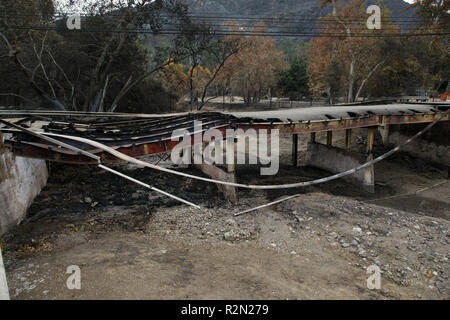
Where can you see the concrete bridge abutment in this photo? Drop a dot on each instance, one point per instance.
(337, 160)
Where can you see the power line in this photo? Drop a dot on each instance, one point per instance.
(273, 16)
(236, 18)
(304, 27)
(292, 27)
(295, 27)
(228, 32)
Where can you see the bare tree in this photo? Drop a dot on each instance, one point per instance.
(202, 46)
(94, 70)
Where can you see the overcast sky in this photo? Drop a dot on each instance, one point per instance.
(62, 4)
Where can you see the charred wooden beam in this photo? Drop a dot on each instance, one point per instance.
(295, 150)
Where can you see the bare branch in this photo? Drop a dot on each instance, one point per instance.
(129, 85)
(19, 96)
(62, 71)
(367, 78)
(39, 58)
(211, 80)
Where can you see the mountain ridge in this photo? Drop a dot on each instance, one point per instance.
(274, 7)
(306, 11)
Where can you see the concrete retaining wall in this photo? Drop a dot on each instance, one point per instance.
(4, 293)
(338, 160)
(422, 149)
(21, 180)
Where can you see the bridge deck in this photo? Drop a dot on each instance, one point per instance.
(139, 134)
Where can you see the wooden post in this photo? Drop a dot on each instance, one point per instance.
(294, 149)
(384, 131)
(329, 138)
(370, 140)
(313, 137)
(230, 155)
(223, 99)
(231, 192)
(348, 139)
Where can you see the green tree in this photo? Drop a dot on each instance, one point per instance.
(295, 50)
(294, 81)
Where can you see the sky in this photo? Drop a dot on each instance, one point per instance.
(62, 4)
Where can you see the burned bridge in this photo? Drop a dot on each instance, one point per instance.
(91, 138)
(138, 135)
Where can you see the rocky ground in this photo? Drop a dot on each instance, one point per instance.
(132, 243)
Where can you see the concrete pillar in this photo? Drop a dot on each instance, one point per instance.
(4, 293)
(294, 149)
(338, 160)
(229, 192)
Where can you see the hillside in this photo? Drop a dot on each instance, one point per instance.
(273, 7)
(306, 10)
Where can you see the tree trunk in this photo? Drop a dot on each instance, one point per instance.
(270, 98)
(351, 81)
(366, 79)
